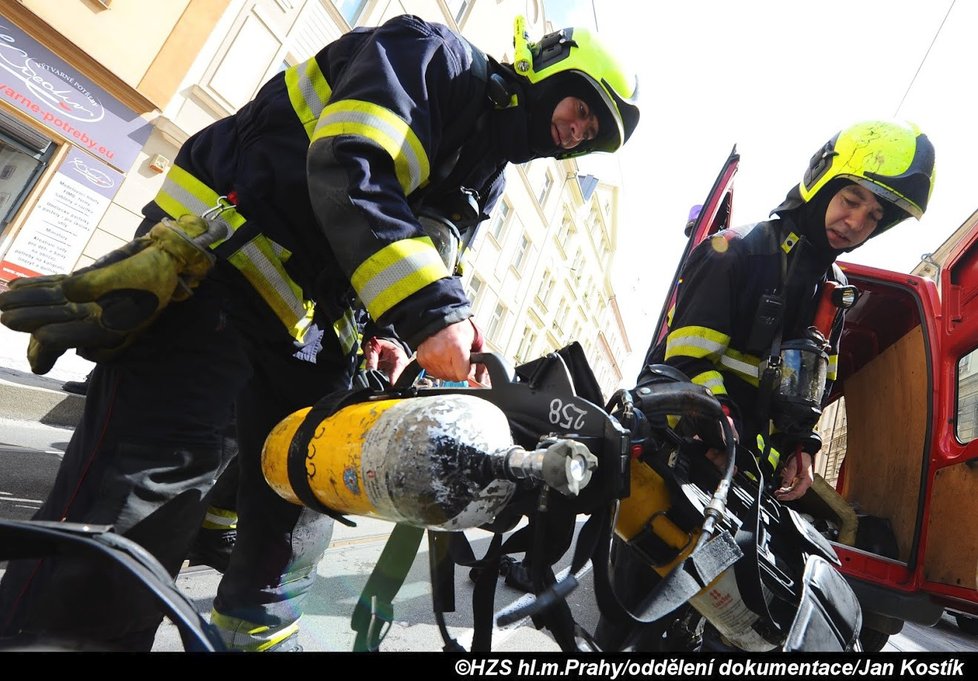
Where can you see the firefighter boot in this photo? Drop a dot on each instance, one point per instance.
(215, 539)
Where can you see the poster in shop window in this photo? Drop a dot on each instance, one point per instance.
(61, 224)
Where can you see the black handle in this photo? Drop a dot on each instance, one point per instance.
(499, 371)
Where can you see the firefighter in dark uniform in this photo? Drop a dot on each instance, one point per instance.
(746, 291)
(273, 227)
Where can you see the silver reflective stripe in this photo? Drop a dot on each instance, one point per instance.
(739, 366)
(307, 87)
(714, 383)
(187, 199)
(271, 276)
(394, 132)
(388, 278)
(675, 343)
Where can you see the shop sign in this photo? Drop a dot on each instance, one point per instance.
(39, 84)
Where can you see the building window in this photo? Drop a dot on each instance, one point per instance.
(350, 9)
(499, 221)
(526, 347)
(475, 285)
(966, 364)
(967, 421)
(497, 322)
(566, 233)
(577, 268)
(546, 286)
(560, 318)
(521, 253)
(457, 8)
(24, 155)
(548, 182)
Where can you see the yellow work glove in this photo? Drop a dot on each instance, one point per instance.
(101, 308)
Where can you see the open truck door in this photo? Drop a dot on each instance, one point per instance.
(950, 543)
(705, 219)
(896, 481)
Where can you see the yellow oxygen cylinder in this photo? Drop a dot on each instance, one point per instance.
(645, 507)
(721, 602)
(424, 461)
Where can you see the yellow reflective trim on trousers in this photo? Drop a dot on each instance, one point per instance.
(696, 342)
(308, 91)
(384, 128)
(833, 369)
(773, 457)
(219, 519)
(242, 635)
(395, 272)
(346, 331)
(259, 262)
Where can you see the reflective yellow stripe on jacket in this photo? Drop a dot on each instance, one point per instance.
(308, 91)
(700, 342)
(385, 128)
(396, 271)
(406, 266)
(260, 260)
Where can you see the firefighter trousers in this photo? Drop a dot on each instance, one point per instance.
(148, 450)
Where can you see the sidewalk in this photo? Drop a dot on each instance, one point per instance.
(25, 396)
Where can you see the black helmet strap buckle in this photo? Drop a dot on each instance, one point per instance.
(820, 163)
(552, 48)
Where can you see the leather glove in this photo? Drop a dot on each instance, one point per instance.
(101, 308)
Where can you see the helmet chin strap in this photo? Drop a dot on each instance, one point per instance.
(811, 219)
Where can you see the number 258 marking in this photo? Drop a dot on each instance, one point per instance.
(566, 415)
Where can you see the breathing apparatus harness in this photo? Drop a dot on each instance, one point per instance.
(793, 375)
(729, 527)
(721, 543)
(545, 414)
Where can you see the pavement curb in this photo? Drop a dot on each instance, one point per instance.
(25, 397)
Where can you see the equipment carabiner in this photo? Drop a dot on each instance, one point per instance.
(224, 203)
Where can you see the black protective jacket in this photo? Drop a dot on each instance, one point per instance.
(333, 159)
(722, 284)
